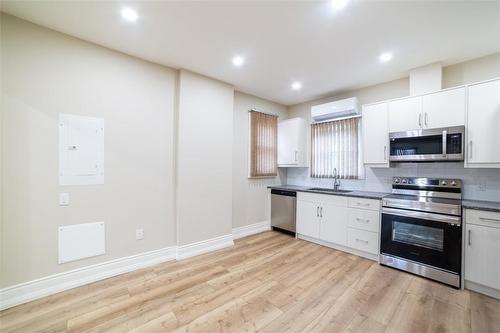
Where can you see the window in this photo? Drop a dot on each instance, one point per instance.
(336, 145)
(263, 144)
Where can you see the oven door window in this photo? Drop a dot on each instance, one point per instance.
(418, 235)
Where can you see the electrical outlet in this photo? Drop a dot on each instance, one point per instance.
(481, 187)
(139, 234)
(63, 199)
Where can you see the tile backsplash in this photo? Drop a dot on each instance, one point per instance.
(478, 184)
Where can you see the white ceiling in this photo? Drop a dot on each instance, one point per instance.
(282, 41)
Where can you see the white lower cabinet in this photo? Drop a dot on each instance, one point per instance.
(333, 221)
(307, 218)
(362, 240)
(482, 251)
(333, 225)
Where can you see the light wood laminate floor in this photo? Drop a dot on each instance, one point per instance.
(266, 283)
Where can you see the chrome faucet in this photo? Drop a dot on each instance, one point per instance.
(336, 180)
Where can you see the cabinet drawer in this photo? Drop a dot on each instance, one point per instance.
(368, 220)
(482, 217)
(336, 200)
(363, 240)
(362, 203)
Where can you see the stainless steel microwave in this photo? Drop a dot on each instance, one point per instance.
(427, 145)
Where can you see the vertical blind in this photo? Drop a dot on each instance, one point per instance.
(263, 144)
(335, 145)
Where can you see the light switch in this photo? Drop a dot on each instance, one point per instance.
(139, 234)
(63, 199)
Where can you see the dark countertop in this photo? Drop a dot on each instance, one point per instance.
(481, 205)
(357, 194)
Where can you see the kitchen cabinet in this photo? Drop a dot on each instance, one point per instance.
(444, 108)
(333, 224)
(483, 125)
(375, 127)
(331, 221)
(308, 218)
(482, 246)
(405, 114)
(292, 143)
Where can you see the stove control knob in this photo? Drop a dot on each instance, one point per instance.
(444, 183)
(396, 180)
(453, 183)
(404, 180)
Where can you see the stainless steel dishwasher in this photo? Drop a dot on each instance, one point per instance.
(283, 207)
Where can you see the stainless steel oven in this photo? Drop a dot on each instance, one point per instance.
(421, 228)
(438, 144)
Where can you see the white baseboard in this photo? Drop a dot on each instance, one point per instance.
(28, 291)
(194, 249)
(251, 229)
(488, 291)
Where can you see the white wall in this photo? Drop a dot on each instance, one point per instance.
(250, 200)
(480, 184)
(45, 73)
(204, 158)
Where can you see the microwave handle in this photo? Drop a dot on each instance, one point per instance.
(445, 135)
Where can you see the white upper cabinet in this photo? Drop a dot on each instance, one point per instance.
(483, 125)
(405, 114)
(444, 108)
(440, 109)
(292, 143)
(375, 126)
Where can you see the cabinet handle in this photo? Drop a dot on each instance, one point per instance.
(296, 159)
(361, 240)
(470, 150)
(425, 119)
(420, 120)
(317, 211)
(362, 204)
(321, 212)
(362, 220)
(385, 153)
(487, 219)
(469, 241)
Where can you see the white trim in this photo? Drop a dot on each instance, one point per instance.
(194, 249)
(251, 229)
(31, 290)
(356, 252)
(479, 288)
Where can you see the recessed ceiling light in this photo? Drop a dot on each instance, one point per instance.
(385, 57)
(296, 85)
(238, 61)
(338, 4)
(129, 14)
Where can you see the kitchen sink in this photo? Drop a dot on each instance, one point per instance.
(324, 189)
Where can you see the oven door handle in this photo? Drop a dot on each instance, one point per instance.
(455, 220)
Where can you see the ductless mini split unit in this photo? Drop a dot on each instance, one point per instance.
(339, 109)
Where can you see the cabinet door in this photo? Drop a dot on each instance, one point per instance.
(483, 124)
(333, 224)
(375, 135)
(287, 143)
(307, 218)
(482, 262)
(444, 109)
(405, 114)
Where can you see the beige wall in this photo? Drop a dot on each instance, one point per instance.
(204, 158)
(474, 70)
(250, 200)
(45, 73)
